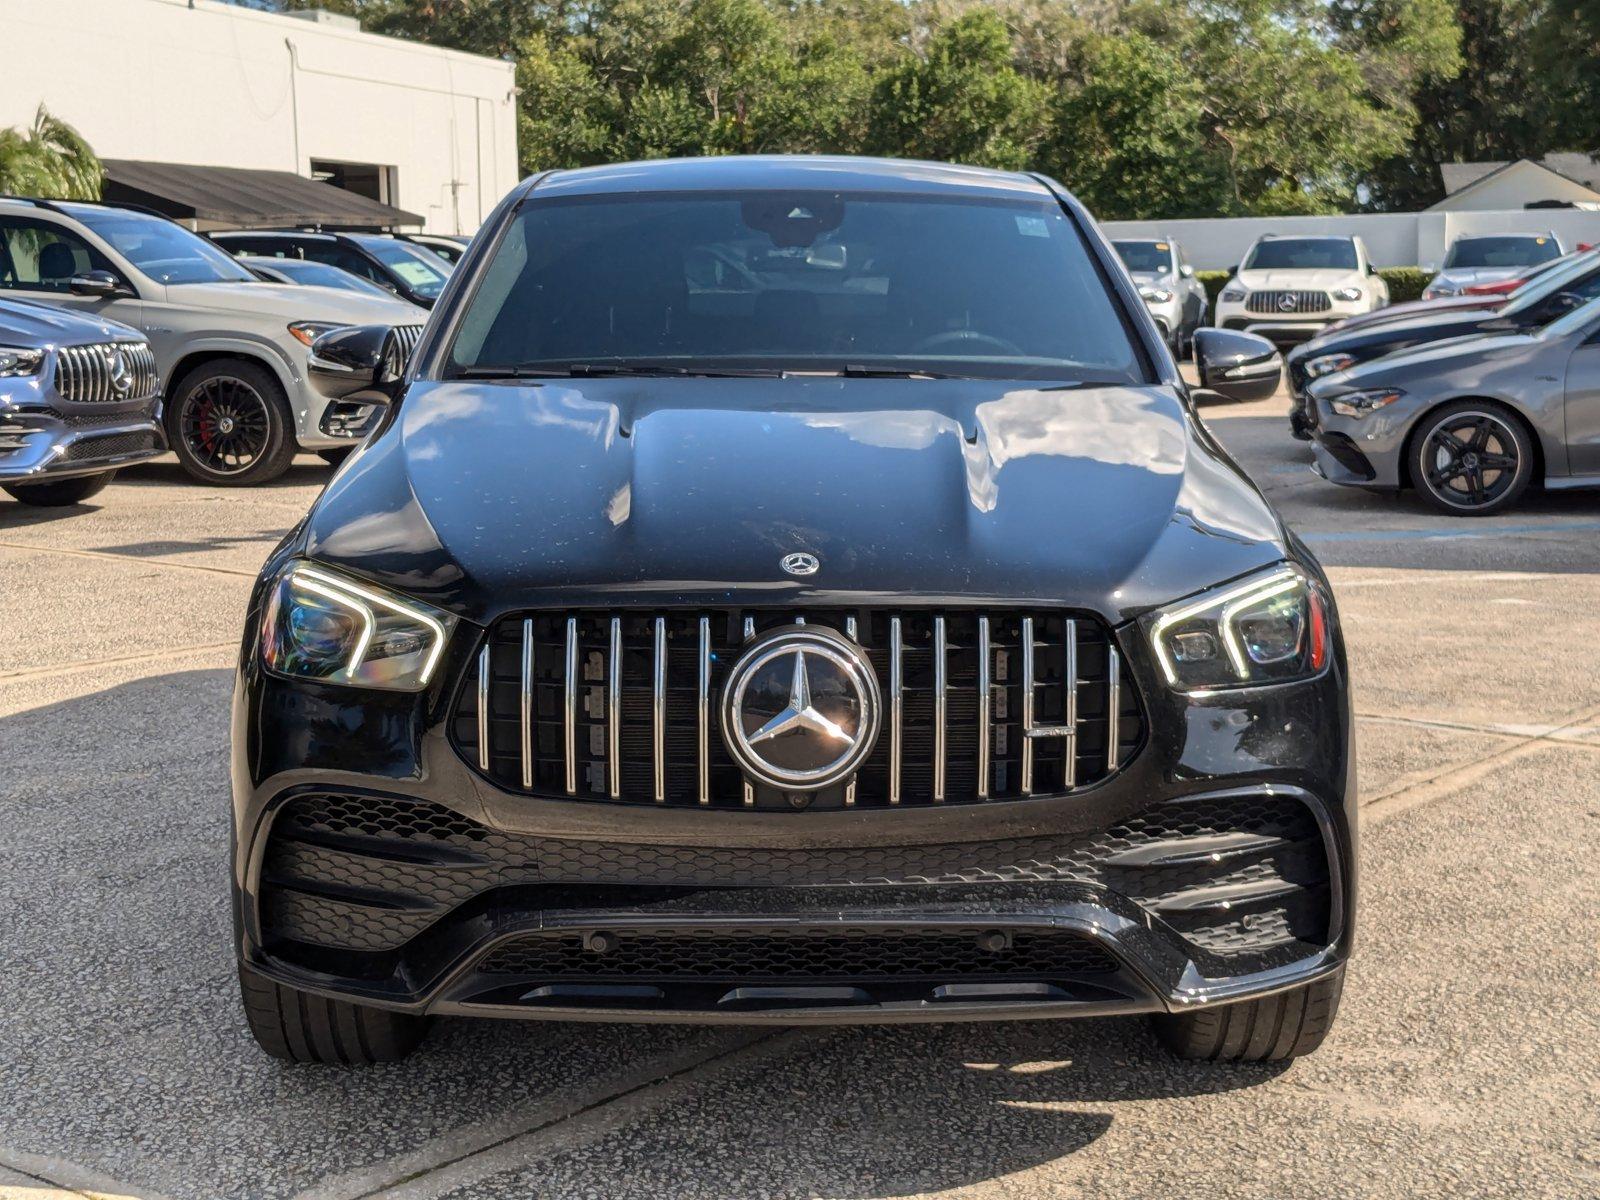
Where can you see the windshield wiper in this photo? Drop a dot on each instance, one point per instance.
(854, 371)
(601, 370)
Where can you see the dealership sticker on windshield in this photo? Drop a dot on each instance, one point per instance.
(1032, 227)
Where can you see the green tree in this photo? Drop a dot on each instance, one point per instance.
(963, 101)
(49, 159)
(1128, 137)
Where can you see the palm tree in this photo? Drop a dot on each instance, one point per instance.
(50, 160)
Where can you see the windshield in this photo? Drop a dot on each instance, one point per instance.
(1470, 253)
(817, 281)
(1302, 254)
(1150, 257)
(166, 252)
(1582, 272)
(315, 274)
(423, 271)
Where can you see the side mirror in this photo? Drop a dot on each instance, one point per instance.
(1186, 271)
(1241, 366)
(1371, 270)
(98, 283)
(362, 362)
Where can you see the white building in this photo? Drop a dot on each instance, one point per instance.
(204, 84)
(1558, 179)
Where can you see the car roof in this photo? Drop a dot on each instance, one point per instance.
(276, 233)
(787, 172)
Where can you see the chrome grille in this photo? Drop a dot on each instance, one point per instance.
(404, 346)
(622, 706)
(84, 373)
(1287, 303)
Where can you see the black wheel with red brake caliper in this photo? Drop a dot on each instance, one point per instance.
(229, 424)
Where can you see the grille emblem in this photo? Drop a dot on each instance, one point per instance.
(800, 563)
(120, 372)
(800, 709)
(1287, 303)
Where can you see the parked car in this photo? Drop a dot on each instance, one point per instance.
(1469, 423)
(231, 351)
(1504, 287)
(447, 246)
(78, 400)
(1540, 302)
(410, 272)
(867, 633)
(1166, 282)
(1479, 258)
(303, 272)
(1289, 288)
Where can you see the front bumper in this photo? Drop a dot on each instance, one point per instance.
(45, 438)
(372, 864)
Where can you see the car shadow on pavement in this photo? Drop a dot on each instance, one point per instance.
(130, 1055)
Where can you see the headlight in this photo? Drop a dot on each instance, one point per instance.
(1347, 295)
(1360, 404)
(1233, 295)
(1270, 628)
(306, 332)
(16, 361)
(1327, 364)
(1434, 290)
(324, 627)
(1155, 295)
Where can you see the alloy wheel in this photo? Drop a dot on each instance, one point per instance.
(226, 425)
(1470, 459)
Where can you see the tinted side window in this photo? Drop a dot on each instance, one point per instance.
(335, 255)
(37, 256)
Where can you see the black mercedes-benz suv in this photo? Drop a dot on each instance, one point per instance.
(788, 590)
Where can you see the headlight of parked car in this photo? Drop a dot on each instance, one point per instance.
(1360, 404)
(306, 332)
(1434, 290)
(1269, 628)
(16, 361)
(1233, 295)
(1155, 295)
(1347, 295)
(1327, 364)
(324, 627)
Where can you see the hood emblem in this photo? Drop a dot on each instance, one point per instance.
(120, 372)
(800, 563)
(800, 709)
(1287, 303)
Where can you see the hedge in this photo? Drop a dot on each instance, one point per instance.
(1405, 283)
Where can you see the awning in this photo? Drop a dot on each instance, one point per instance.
(239, 198)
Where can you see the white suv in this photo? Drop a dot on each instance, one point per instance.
(231, 350)
(1289, 289)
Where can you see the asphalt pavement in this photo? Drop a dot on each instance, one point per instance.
(1466, 1061)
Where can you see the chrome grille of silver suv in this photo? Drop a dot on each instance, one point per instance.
(571, 704)
(91, 375)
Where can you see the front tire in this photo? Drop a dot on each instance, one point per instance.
(1272, 1029)
(1471, 459)
(229, 424)
(302, 1027)
(61, 493)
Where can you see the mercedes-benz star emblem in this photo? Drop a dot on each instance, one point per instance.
(800, 563)
(800, 709)
(1287, 304)
(120, 372)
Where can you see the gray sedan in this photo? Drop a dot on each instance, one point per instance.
(1468, 422)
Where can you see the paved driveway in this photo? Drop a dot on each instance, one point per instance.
(1465, 1063)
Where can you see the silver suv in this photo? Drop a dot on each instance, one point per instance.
(230, 350)
(77, 401)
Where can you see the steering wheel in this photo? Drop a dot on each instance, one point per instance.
(965, 338)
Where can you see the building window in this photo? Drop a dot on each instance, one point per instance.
(364, 179)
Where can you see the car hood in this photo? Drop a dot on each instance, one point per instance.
(1462, 277)
(1429, 361)
(488, 497)
(1421, 327)
(34, 326)
(1152, 279)
(1299, 279)
(296, 303)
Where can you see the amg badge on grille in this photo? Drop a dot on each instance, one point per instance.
(800, 709)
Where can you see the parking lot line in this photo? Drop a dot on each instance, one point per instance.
(104, 556)
(467, 1155)
(20, 1172)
